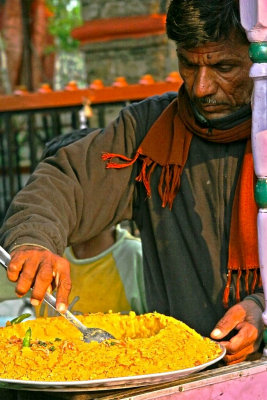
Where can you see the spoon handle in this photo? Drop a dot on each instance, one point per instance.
(49, 298)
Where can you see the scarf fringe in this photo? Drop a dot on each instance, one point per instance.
(109, 156)
(145, 174)
(169, 184)
(169, 180)
(241, 273)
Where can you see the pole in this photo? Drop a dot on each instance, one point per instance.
(27, 49)
(254, 20)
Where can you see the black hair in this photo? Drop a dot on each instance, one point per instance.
(191, 23)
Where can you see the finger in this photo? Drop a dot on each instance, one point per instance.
(239, 356)
(15, 266)
(228, 322)
(27, 276)
(246, 336)
(42, 282)
(63, 282)
(234, 361)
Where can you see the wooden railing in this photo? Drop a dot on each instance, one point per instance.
(29, 120)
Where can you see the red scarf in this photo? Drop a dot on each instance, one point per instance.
(167, 144)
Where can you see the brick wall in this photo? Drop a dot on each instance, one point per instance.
(121, 8)
(131, 57)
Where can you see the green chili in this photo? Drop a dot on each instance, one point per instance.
(20, 318)
(27, 338)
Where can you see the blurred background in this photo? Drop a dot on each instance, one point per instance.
(55, 41)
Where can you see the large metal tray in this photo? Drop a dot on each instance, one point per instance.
(106, 384)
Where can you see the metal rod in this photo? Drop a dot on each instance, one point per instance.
(254, 20)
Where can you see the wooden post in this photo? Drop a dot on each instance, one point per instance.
(254, 20)
(27, 52)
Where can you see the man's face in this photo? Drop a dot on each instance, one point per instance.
(216, 77)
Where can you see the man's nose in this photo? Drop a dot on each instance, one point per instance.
(204, 83)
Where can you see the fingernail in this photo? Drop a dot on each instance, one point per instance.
(216, 332)
(35, 302)
(61, 307)
(57, 279)
(49, 289)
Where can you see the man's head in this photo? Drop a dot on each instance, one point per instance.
(212, 50)
(192, 23)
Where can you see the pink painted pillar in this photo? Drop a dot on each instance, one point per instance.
(254, 20)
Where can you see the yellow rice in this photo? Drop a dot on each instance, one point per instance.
(146, 344)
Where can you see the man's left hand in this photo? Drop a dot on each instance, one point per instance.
(246, 318)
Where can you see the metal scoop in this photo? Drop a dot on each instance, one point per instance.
(89, 334)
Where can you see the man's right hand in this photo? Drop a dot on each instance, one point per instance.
(40, 269)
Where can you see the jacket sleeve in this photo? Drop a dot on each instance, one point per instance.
(72, 196)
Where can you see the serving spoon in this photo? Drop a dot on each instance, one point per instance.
(89, 334)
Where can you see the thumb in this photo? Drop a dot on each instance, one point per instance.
(228, 322)
(218, 333)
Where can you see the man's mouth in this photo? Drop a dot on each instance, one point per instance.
(208, 101)
(212, 108)
(211, 105)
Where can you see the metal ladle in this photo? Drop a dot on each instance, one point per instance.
(89, 334)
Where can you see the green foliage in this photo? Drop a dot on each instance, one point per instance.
(66, 16)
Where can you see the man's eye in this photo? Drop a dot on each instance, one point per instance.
(188, 66)
(224, 68)
(186, 63)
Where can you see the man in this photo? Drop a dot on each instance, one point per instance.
(178, 168)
